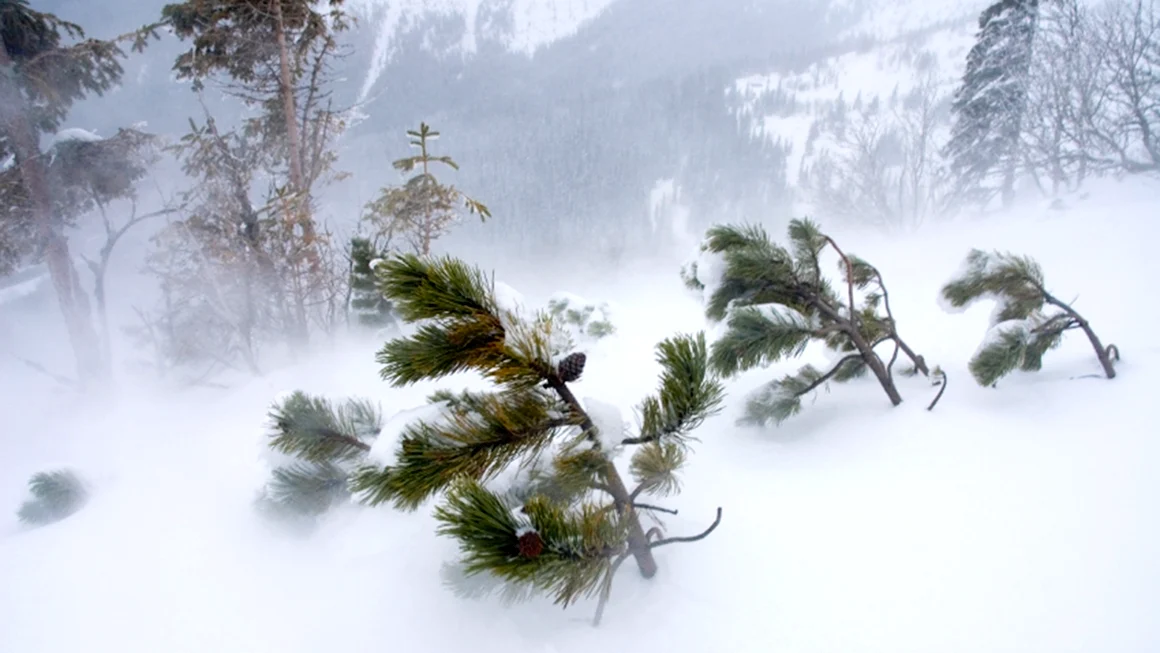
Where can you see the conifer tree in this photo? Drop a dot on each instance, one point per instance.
(327, 442)
(371, 309)
(49, 65)
(56, 494)
(264, 46)
(423, 209)
(775, 301)
(1022, 331)
(566, 533)
(990, 103)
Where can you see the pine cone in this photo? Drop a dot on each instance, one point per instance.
(530, 544)
(572, 366)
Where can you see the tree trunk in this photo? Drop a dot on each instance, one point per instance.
(71, 297)
(638, 544)
(294, 140)
(1102, 352)
(876, 365)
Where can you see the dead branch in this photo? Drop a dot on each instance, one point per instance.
(692, 538)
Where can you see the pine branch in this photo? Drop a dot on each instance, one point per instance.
(756, 337)
(687, 396)
(781, 399)
(476, 441)
(465, 331)
(1016, 281)
(568, 554)
(654, 467)
(694, 538)
(56, 495)
(308, 488)
(312, 429)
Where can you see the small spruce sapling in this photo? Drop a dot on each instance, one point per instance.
(370, 308)
(56, 494)
(1021, 330)
(328, 442)
(776, 300)
(567, 543)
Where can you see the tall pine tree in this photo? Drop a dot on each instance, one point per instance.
(990, 103)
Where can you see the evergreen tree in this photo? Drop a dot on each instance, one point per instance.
(775, 301)
(270, 50)
(327, 442)
(423, 209)
(566, 532)
(55, 495)
(249, 267)
(990, 102)
(44, 76)
(1021, 330)
(368, 304)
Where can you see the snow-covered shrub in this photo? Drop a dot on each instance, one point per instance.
(56, 494)
(775, 301)
(1021, 330)
(583, 321)
(566, 530)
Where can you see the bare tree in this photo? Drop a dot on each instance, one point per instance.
(1122, 126)
(883, 167)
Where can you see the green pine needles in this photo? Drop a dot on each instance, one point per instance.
(327, 441)
(775, 301)
(566, 529)
(56, 494)
(1021, 330)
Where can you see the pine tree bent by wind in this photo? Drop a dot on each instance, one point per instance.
(775, 301)
(56, 495)
(1021, 330)
(566, 531)
(328, 441)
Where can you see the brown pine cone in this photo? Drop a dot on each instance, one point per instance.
(572, 366)
(530, 544)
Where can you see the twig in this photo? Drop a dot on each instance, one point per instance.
(941, 390)
(645, 506)
(849, 279)
(693, 538)
(919, 363)
(607, 590)
(828, 375)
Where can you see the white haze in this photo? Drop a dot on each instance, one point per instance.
(1011, 519)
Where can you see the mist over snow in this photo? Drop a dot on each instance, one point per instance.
(605, 136)
(1012, 519)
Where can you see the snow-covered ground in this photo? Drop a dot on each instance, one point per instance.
(1013, 519)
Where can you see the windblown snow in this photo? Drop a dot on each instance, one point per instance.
(1008, 518)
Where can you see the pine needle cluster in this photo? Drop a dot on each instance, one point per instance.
(1028, 321)
(567, 528)
(56, 494)
(775, 300)
(327, 441)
